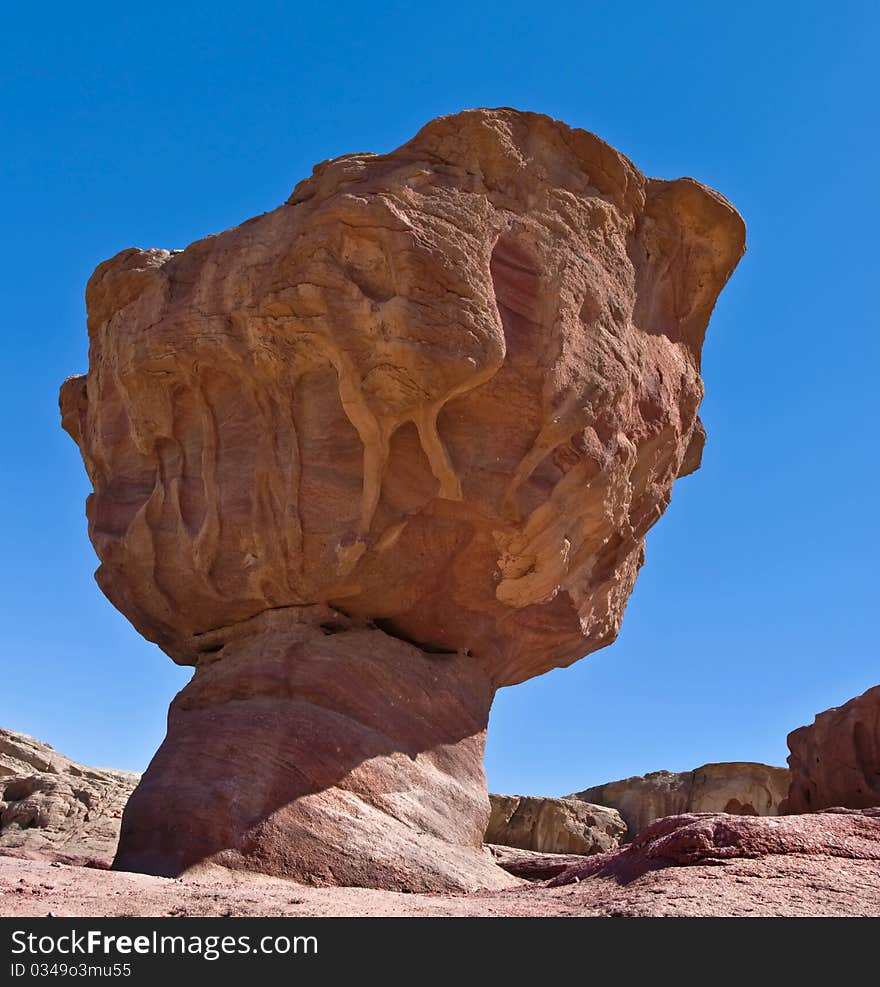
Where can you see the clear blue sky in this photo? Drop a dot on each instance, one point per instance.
(153, 125)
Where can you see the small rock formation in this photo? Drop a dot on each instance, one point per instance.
(368, 457)
(836, 760)
(738, 787)
(531, 865)
(553, 825)
(50, 803)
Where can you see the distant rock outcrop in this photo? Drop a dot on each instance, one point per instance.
(552, 825)
(836, 760)
(51, 803)
(738, 787)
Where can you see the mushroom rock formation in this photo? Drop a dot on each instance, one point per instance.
(836, 760)
(368, 457)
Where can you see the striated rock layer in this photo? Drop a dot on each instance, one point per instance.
(737, 787)
(836, 760)
(553, 825)
(51, 803)
(444, 392)
(333, 754)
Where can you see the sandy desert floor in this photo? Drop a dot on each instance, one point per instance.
(793, 885)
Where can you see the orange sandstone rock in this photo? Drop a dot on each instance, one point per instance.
(438, 396)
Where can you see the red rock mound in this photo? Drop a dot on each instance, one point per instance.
(694, 839)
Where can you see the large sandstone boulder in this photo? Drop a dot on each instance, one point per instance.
(369, 456)
(50, 803)
(737, 787)
(553, 825)
(836, 760)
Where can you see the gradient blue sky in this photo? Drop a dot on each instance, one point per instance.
(132, 124)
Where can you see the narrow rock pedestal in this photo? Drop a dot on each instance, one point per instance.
(327, 753)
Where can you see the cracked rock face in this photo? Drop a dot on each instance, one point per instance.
(440, 395)
(49, 802)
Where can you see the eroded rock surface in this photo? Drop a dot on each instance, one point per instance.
(738, 787)
(553, 825)
(433, 402)
(532, 865)
(836, 760)
(51, 803)
(342, 756)
(695, 838)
